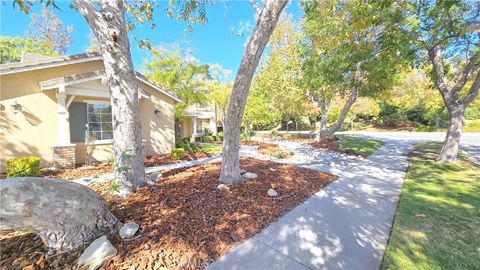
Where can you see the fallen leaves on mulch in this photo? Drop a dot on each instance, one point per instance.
(269, 149)
(186, 222)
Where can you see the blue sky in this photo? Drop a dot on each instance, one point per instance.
(212, 43)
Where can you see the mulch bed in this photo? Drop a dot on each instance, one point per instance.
(332, 144)
(186, 222)
(104, 168)
(269, 149)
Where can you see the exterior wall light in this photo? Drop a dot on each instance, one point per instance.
(16, 108)
(157, 112)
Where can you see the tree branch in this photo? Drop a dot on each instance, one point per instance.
(255, 6)
(435, 55)
(473, 92)
(467, 73)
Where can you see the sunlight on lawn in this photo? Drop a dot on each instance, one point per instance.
(437, 220)
(359, 145)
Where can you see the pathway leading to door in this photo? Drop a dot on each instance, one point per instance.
(344, 226)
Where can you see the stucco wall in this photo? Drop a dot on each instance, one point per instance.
(34, 130)
(157, 130)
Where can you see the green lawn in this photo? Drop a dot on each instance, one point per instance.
(214, 149)
(359, 145)
(437, 225)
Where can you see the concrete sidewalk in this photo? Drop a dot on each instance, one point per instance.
(344, 226)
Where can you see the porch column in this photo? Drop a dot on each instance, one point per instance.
(194, 131)
(62, 116)
(63, 151)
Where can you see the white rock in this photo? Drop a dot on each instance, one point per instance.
(96, 254)
(128, 230)
(272, 193)
(272, 169)
(242, 171)
(223, 187)
(250, 175)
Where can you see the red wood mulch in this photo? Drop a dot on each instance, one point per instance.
(269, 149)
(332, 144)
(185, 222)
(104, 168)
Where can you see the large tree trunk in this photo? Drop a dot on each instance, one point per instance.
(65, 215)
(108, 24)
(267, 19)
(454, 132)
(343, 114)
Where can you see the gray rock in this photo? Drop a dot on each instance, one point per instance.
(96, 254)
(223, 187)
(242, 171)
(128, 230)
(250, 175)
(272, 193)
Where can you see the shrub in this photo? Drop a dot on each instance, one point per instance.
(178, 153)
(23, 166)
(208, 138)
(274, 133)
(280, 154)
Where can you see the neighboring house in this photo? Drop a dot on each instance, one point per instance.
(47, 103)
(199, 119)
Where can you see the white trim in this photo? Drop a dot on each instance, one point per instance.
(99, 142)
(63, 137)
(158, 89)
(70, 100)
(48, 65)
(88, 92)
(103, 102)
(46, 86)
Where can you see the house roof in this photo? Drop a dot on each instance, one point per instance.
(33, 62)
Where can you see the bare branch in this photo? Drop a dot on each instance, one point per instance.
(473, 92)
(435, 55)
(472, 66)
(255, 6)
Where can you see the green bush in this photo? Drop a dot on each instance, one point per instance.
(178, 153)
(274, 132)
(23, 166)
(472, 123)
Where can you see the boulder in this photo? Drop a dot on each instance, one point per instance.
(66, 215)
(98, 252)
(272, 193)
(242, 171)
(128, 230)
(223, 187)
(250, 175)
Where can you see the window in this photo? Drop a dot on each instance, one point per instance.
(99, 117)
(202, 107)
(202, 124)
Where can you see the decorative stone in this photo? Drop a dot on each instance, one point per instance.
(96, 254)
(272, 193)
(128, 230)
(223, 187)
(272, 170)
(250, 175)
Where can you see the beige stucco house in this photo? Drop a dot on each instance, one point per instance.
(199, 118)
(47, 104)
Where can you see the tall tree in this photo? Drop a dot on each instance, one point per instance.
(179, 72)
(353, 49)
(11, 49)
(47, 29)
(266, 21)
(448, 32)
(107, 20)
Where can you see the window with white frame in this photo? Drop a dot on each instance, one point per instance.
(99, 118)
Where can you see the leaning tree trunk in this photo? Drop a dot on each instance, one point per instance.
(454, 132)
(108, 24)
(65, 215)
(324, 105)
(267, 19)
(343, 114)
